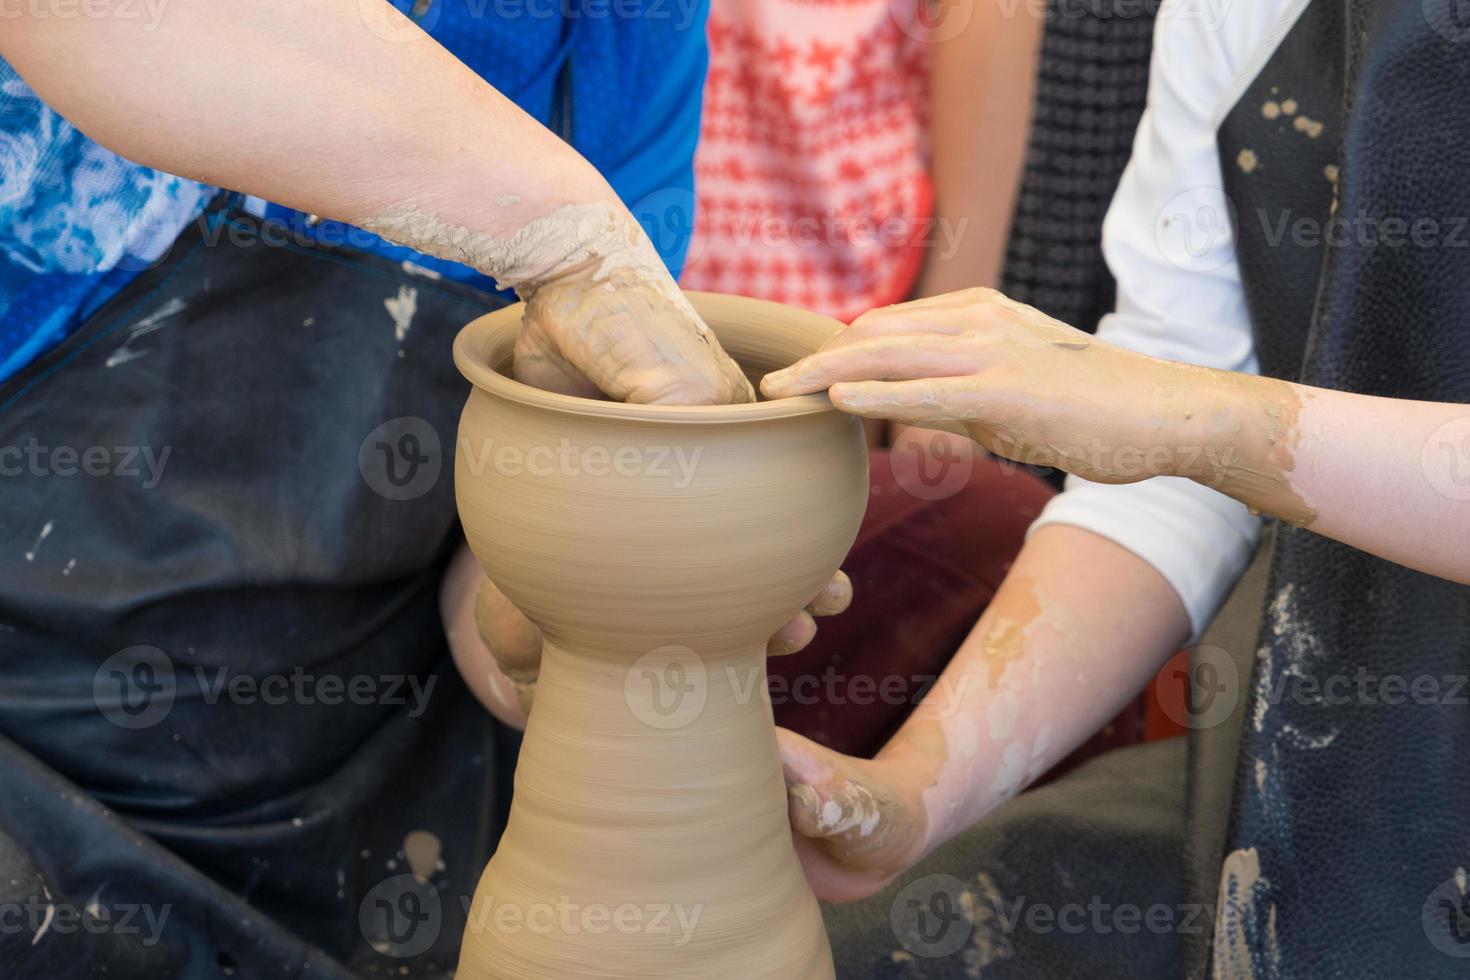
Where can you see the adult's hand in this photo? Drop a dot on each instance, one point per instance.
(418, 156)
(610, 320)
(498, 649)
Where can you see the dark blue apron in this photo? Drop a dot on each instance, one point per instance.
(232, 742)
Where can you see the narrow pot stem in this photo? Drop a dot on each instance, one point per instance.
(649, 834)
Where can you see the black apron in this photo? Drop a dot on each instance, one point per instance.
(1304, 836)
(232, 742)
(1346, 848)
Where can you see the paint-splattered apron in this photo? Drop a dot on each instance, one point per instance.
(1347, 845)
(232, 742)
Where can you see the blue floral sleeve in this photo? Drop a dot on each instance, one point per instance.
(73, 217)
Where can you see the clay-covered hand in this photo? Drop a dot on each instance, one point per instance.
(605, 318)
(1025, 386)
(513, 643)
(859, 822)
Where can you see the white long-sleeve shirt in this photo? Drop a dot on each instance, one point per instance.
(1169, 243)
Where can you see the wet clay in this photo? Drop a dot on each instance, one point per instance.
(543, 248)
(1032, 389)
(1004, 640)
(649, 835)
(1251, 441)
(594, 285)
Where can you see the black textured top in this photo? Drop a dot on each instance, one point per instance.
(1091, 87)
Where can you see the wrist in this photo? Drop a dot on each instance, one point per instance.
(520, 234)
(1243, 443)
(1204, 412)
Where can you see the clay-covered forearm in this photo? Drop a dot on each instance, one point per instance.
(1074, 633)
(981, 85)
(1387, 476)
(336, 107)
(344, 108)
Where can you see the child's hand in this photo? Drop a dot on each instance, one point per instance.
(859, 823)
(498, 650)
(1025, 386)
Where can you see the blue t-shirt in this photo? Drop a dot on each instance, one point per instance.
(77, 222)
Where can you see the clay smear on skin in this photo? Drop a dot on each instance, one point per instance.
(1005, 639)
(1267, 487)
(1250, 462)
(591, 244)
(954, 801)
(570, 236)
(1246, 453)
(859, 818)
(1250, 453)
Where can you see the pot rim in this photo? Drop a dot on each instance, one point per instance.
(473, 361)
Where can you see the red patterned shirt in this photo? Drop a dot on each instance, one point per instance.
(812, 167)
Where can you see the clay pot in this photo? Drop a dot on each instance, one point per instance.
(658, 548)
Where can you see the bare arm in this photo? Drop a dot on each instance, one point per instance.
(1076, 630)
(344, 108)
(1387, 476)
(980, 106)
(333, 107)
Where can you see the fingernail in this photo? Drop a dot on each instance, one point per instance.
(806, 799)
(832, 600)
(781, 646)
